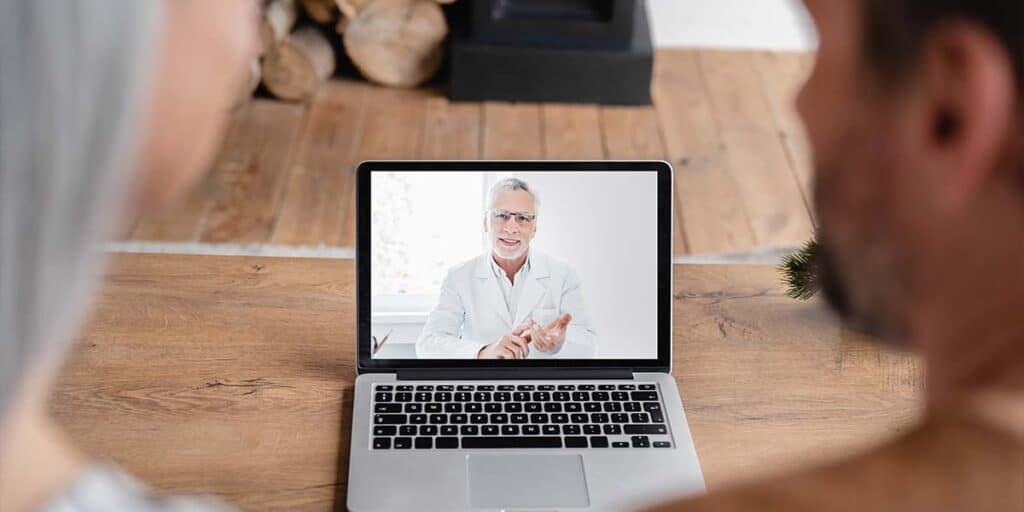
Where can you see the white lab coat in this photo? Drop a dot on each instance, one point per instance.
(471, 310)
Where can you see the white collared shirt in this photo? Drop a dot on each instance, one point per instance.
(509, 290)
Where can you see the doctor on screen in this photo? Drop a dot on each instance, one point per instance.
(511, 302)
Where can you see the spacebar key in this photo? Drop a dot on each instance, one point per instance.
(512, 442)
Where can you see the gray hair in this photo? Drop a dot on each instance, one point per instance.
(71, 104)
(512, 184)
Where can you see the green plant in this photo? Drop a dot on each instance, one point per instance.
(799, 271)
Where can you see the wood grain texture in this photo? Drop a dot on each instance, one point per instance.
(512, 131)
(234, 375)
(252, 179)
(322, 177)
(572, 132)
(452, 130)
(749, 131)
(713, 213)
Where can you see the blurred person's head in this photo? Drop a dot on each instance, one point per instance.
(913, 112)
(511, 218)
(108, 108)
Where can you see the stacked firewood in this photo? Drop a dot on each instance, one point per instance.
(396, 43)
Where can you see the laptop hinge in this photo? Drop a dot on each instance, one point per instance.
(514, 373)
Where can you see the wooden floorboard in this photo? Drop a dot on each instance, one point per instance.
(315, 201)
(724, 119)
(250, 185)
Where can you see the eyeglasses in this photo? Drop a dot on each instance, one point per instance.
(503, 216)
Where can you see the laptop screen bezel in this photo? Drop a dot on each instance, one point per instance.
(665, 195)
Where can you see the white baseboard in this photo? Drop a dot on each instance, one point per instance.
(731, 24)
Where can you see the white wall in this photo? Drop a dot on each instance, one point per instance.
(757, 24)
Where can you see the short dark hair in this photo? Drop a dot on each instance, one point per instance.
(895, 30)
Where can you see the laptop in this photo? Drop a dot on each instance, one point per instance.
(515, 338)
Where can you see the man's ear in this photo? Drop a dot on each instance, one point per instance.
(970, 79)
(485, 223)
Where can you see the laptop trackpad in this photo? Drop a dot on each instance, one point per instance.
(527, 481)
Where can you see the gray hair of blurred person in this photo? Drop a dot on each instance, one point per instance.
(512, 184)
(73, 79)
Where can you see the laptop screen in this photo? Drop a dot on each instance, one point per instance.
(513, 265)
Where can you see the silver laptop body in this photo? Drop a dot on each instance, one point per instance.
(555, 435)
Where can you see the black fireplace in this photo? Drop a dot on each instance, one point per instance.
(577, 51)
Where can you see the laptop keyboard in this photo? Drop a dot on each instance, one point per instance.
(484, 416)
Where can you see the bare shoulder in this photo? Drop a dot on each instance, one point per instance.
(948, 462)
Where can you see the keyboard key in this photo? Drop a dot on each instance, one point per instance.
(485, 387)
(631, 406)
(639, 417)
(612, 407)
(417, 419)
(458, 419)
(606, 387)
(599, 396)
(407, 430)
(463, 396)
(573, 407)
(560, 396)
(424, 387)
(384, 387)
(452, 407)
(510, 430)
(390, 419)
(541, 396)
(620, 444)
(404, 388)
(489, 430)
(478, 419)
(525, 387)
(521, 396)
(647, 387)
(592, 430)
(580, 396)
(438, 419)
(599, 442)
(652, 406)
(644, 396)
(387, 408)
(403, 397)
(470, 430)
(520, 418)
(413, 408)
(599, 417)
(424, 443)
(532, 407)
(592, 407)
(546, 387)
(645, 429)
(640, 442)
(511, 442)
(627, 387)
(587, 387)
(538, 418)
(481, 396)
(381, 443)
(442, 396)
(385, 430)
(492, 407)
(383, 397)
(474, 407)
(566, 387)
(662, 444)
(571, 430)
(403, 443)
(560, 418)
(552, 407)
(531, 430)
(575, 442)
(499, 418)
(506, 387)
(502, 396)
(550, 430)
(449, 430)
(620, 396)
(428, 430)
(447, 442)
(432, 407)
(422, 396)
(620, 417)
(579, 418)
(657, 417)
(464, 387)
(612, 430)
(513, 407)
(446, 388)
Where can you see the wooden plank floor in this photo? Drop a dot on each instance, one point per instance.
(724, 119)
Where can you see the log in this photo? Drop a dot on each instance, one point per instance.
(397, 42)
(294, 69)
(321, 11)
(251, 83)
(277, 21)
